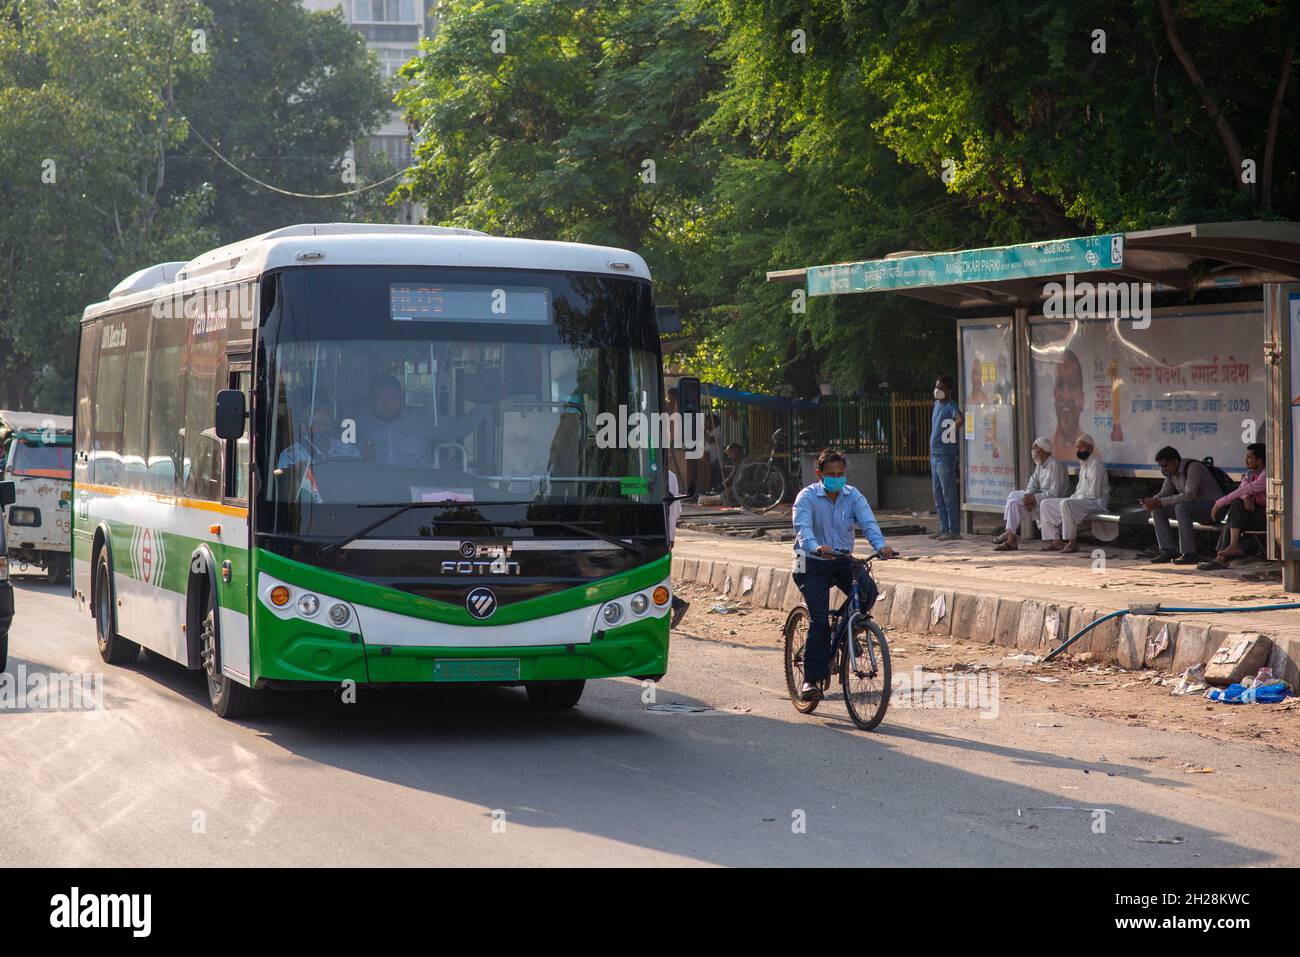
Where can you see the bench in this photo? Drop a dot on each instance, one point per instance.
(1105, 526)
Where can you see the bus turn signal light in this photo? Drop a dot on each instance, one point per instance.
(279, 596)
(661, 595)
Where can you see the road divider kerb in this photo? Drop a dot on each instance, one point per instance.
(1018, 625)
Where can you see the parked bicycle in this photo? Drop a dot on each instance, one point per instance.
(859, 655)
(759, 486)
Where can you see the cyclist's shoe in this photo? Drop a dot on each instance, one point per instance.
(809, 692)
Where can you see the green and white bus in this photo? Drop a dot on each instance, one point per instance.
(353, 453)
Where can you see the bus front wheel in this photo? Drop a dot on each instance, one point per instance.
(554, 696)
(228, 697)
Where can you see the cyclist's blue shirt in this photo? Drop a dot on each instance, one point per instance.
(819, 521)
(944, 411)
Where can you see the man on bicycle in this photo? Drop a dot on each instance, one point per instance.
(824, 514)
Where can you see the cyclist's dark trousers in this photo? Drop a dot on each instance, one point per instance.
(816, 583)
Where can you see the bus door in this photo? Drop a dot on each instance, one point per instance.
(231, 552)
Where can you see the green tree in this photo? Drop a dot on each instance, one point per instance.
(287, 94)
(102, 171)
(575, 122)
(86, 119)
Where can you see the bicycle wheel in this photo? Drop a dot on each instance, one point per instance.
(796, 635)
(758, 487)
(866, 684)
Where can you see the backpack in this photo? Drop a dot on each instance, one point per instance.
(1221, 478)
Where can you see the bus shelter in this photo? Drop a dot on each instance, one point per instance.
(1181, 336)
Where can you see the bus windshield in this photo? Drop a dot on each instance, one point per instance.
(426, 385)
(40, 461)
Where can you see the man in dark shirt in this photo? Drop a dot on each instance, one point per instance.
(1188, 493)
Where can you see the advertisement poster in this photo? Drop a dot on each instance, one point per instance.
(987, 386)
(1194, 380)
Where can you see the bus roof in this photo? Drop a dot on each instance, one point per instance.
(364, 244)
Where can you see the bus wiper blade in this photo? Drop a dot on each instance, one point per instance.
(582, 530)
(397, 510)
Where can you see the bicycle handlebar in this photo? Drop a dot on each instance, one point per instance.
(841, 553)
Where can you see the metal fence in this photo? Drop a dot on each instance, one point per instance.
(895, 426)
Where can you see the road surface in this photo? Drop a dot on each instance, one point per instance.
(475, 777)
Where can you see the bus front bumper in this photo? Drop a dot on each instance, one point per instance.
(309, 652)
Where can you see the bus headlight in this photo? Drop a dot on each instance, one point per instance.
(28, 517)
(308, 605)
(339, 615)
(279, 596)
(639, 603)
(661, 595)
(612, 613)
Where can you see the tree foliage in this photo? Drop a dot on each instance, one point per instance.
(101, 168)
(799, 132)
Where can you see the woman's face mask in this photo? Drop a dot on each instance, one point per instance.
(1082, 453)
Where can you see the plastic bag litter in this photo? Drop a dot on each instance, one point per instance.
(1271, 693)
(1192, 681)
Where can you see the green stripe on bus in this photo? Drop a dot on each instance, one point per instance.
(429, 609)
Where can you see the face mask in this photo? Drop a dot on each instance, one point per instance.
(833, 483)
(1083, 454)
(938, 394)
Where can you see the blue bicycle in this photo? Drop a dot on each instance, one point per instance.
(859, 654)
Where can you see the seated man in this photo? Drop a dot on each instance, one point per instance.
(1247, 510)
(393, 433)
(1189, 492)
(317, 441)
(1050, 480)
(1062, 515)
(824, 514)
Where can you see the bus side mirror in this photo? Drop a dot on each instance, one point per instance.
(688, 395)
(231, 413)
(688, 403)
(668, 319)
(6, 495)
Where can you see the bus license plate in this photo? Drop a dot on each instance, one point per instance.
(490, 669)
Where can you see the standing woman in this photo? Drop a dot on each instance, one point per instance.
(945, 433)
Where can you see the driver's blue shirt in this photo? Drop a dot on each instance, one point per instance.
(819, 521)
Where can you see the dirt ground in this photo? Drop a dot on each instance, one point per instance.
(1078, 687)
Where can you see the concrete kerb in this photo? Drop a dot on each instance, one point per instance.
(762, 586)
(781, 584)
(1008, 622)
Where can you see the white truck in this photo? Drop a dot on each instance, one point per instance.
(38, 525)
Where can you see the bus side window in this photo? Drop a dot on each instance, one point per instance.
(85, 436)
(110, 378)
(166, 391)
(205, 363)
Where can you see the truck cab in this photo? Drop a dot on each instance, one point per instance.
(39, 464)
